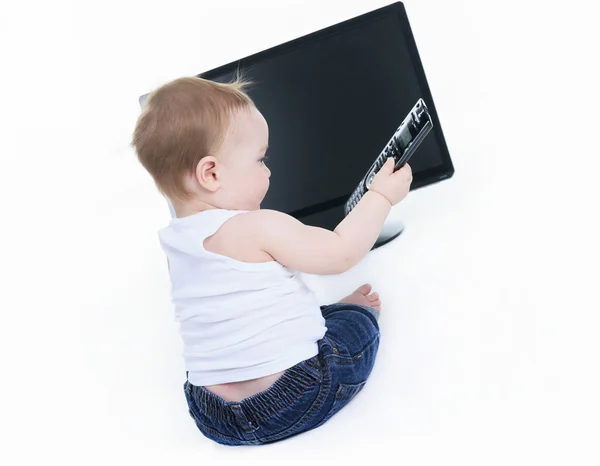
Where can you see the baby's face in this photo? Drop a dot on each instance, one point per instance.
(245, 174)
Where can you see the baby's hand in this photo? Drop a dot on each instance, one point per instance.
(394, 186)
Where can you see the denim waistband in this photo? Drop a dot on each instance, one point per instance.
(288, 388)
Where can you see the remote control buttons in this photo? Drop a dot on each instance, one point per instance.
(354, 200)
(370, 179)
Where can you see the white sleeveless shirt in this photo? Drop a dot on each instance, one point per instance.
(238, 320)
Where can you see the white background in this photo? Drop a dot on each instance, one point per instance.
(489, 351)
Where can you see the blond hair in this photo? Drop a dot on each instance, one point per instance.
(182, 122)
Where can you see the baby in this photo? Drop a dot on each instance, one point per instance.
(264, 360)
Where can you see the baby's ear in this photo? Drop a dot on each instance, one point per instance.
(207, 173)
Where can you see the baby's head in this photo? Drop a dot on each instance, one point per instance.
(204, 145)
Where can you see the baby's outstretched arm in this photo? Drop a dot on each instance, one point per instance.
(317, 250)
(320, 251)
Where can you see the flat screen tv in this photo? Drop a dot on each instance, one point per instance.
(333, 99)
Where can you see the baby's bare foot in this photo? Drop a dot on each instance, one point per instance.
(364, 297)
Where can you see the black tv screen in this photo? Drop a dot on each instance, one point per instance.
(332, 100)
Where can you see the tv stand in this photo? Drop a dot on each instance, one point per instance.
(391, 230)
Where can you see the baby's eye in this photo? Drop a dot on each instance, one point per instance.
(264, 159)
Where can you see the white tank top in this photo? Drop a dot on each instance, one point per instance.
(238, 320)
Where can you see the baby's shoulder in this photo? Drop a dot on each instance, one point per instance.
(255, 221)
(239, 237)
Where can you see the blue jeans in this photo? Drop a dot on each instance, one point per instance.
(306, 395)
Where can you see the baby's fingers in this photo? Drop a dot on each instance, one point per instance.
(405, 171)
(388, 166)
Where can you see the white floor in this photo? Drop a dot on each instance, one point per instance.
(489, 351)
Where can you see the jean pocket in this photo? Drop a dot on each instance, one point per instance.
(344, 395)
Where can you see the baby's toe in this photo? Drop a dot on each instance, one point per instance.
(364, 289)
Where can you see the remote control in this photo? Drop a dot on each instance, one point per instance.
(401, 147)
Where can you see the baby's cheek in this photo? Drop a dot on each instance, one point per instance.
(262, 187)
